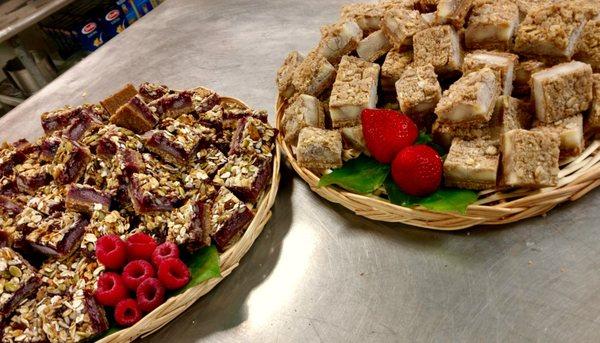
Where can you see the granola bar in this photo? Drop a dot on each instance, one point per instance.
(135, 115)
(399, 25)
(59, 119)
(203, 100)
(31, 175)
(173, 105)
(152, 91)
(305, 110)
(69, 162)
(285, 74)
(500, 62)
(184, 226)
(319, 148)
(472, 164)
(355, 89)
(252, 136)
(103, 222)
(338, 40)
(207, 160)
(561, 91)
(492, 25)
(470, 99)
(570, 131)
(245, 175)
(372, 47)
(392, 68)
(313, 75)
(58, 235)
(18, 280)
(530, 159)
(25, 325)
(439, 46)
(120, 98)
(86, 199)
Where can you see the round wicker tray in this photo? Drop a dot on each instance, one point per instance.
(577, 177)
(229, 260)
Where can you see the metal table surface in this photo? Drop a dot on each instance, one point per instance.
(318, 272)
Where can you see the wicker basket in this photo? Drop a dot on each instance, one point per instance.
(229, 260)
(577, 177)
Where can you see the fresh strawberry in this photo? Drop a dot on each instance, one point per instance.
(417, 170)
(387, 132)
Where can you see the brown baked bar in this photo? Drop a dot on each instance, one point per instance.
(523, 72)
(470, 99)
(588, 46)
(86, 199)
(253, 136)
(225, 218)
(399, 25)
(439, 46)
(530, 159)
(570, 131)
(492, 25)
(152, 91)
(305, 110)
(593, 120)
(135, 115)
(31, 175)
(70, 162)
(355, 89)
(561, 91)
(472, 164)
(25, 325)
(48, 199)
(319, 148)
(103, 222)
(367, 15)
(245, 175)
(354, 138)
(10, 156)
(372, 47)
(500, 62)
(110, 138)
(285, 74)
(173, 105)
(453, 12)
(392, 68)
(59, 119)
(120, 98)
(313, 75)
(18, 280)
(58, 235)
(418, 91)
(338, 40)
(204, 99)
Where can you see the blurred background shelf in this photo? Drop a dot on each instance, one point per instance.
(40, 39)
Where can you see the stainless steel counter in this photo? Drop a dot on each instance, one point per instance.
(318, 272)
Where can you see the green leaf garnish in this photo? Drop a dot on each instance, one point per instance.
(361, 175)
(442, 200)
(423, 138)
(203, 265)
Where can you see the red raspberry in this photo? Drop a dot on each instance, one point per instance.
(111, 289)
(150, 294)
(387, 132)
(111, 251)
(417, 170)
(127, 312)
(135, 272)
(173, 273)
(164, 251)
(140, 246)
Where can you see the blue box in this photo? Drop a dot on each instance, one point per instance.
(143, 7)
(112, 22)
(128, 9)
(90, 35)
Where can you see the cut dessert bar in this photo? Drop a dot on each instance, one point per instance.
(73, 317)
(253, 136)
(208, 160)
(372, 47)
(354, 137)
(80, 127)
(152, 91)
(286, 72)
(305, 110)
(530, 158)
(58, 235)
(66, 276)
(400, 25)
(319, 148)
(48, 147)
(453, 12)
(178, 141)
(393, 67)
(440, 46)
(561, 91)
(185, 226)
(338, 40)
(173, 105)
(593, 120)
(428, 6)
(355, 89)
(492, 25)
(418, 91)
(570, 131)
(526, 6)
(367, 15)
(18, 280)
(472, 164)
(523, 72)
(103, 223)
(313, 75)
(25, 324)
(70, 162)
(204, 100)
(10, 156)
(470, 99)
(31, 175)
(61, 119)
(58, 119)
(225, 218)
(551, 30)
(245, 175)
(86, 199)
(110, 138)
(135, 115)
(588, 46)
(500, 62)
(120, 98)
(48, 199)
(103, 173)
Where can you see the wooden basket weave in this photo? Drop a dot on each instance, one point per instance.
(229, 260)
(577, 177)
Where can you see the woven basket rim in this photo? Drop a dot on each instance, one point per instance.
(228, 261)
(581, 175)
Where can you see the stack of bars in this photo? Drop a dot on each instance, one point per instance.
(507, 86)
